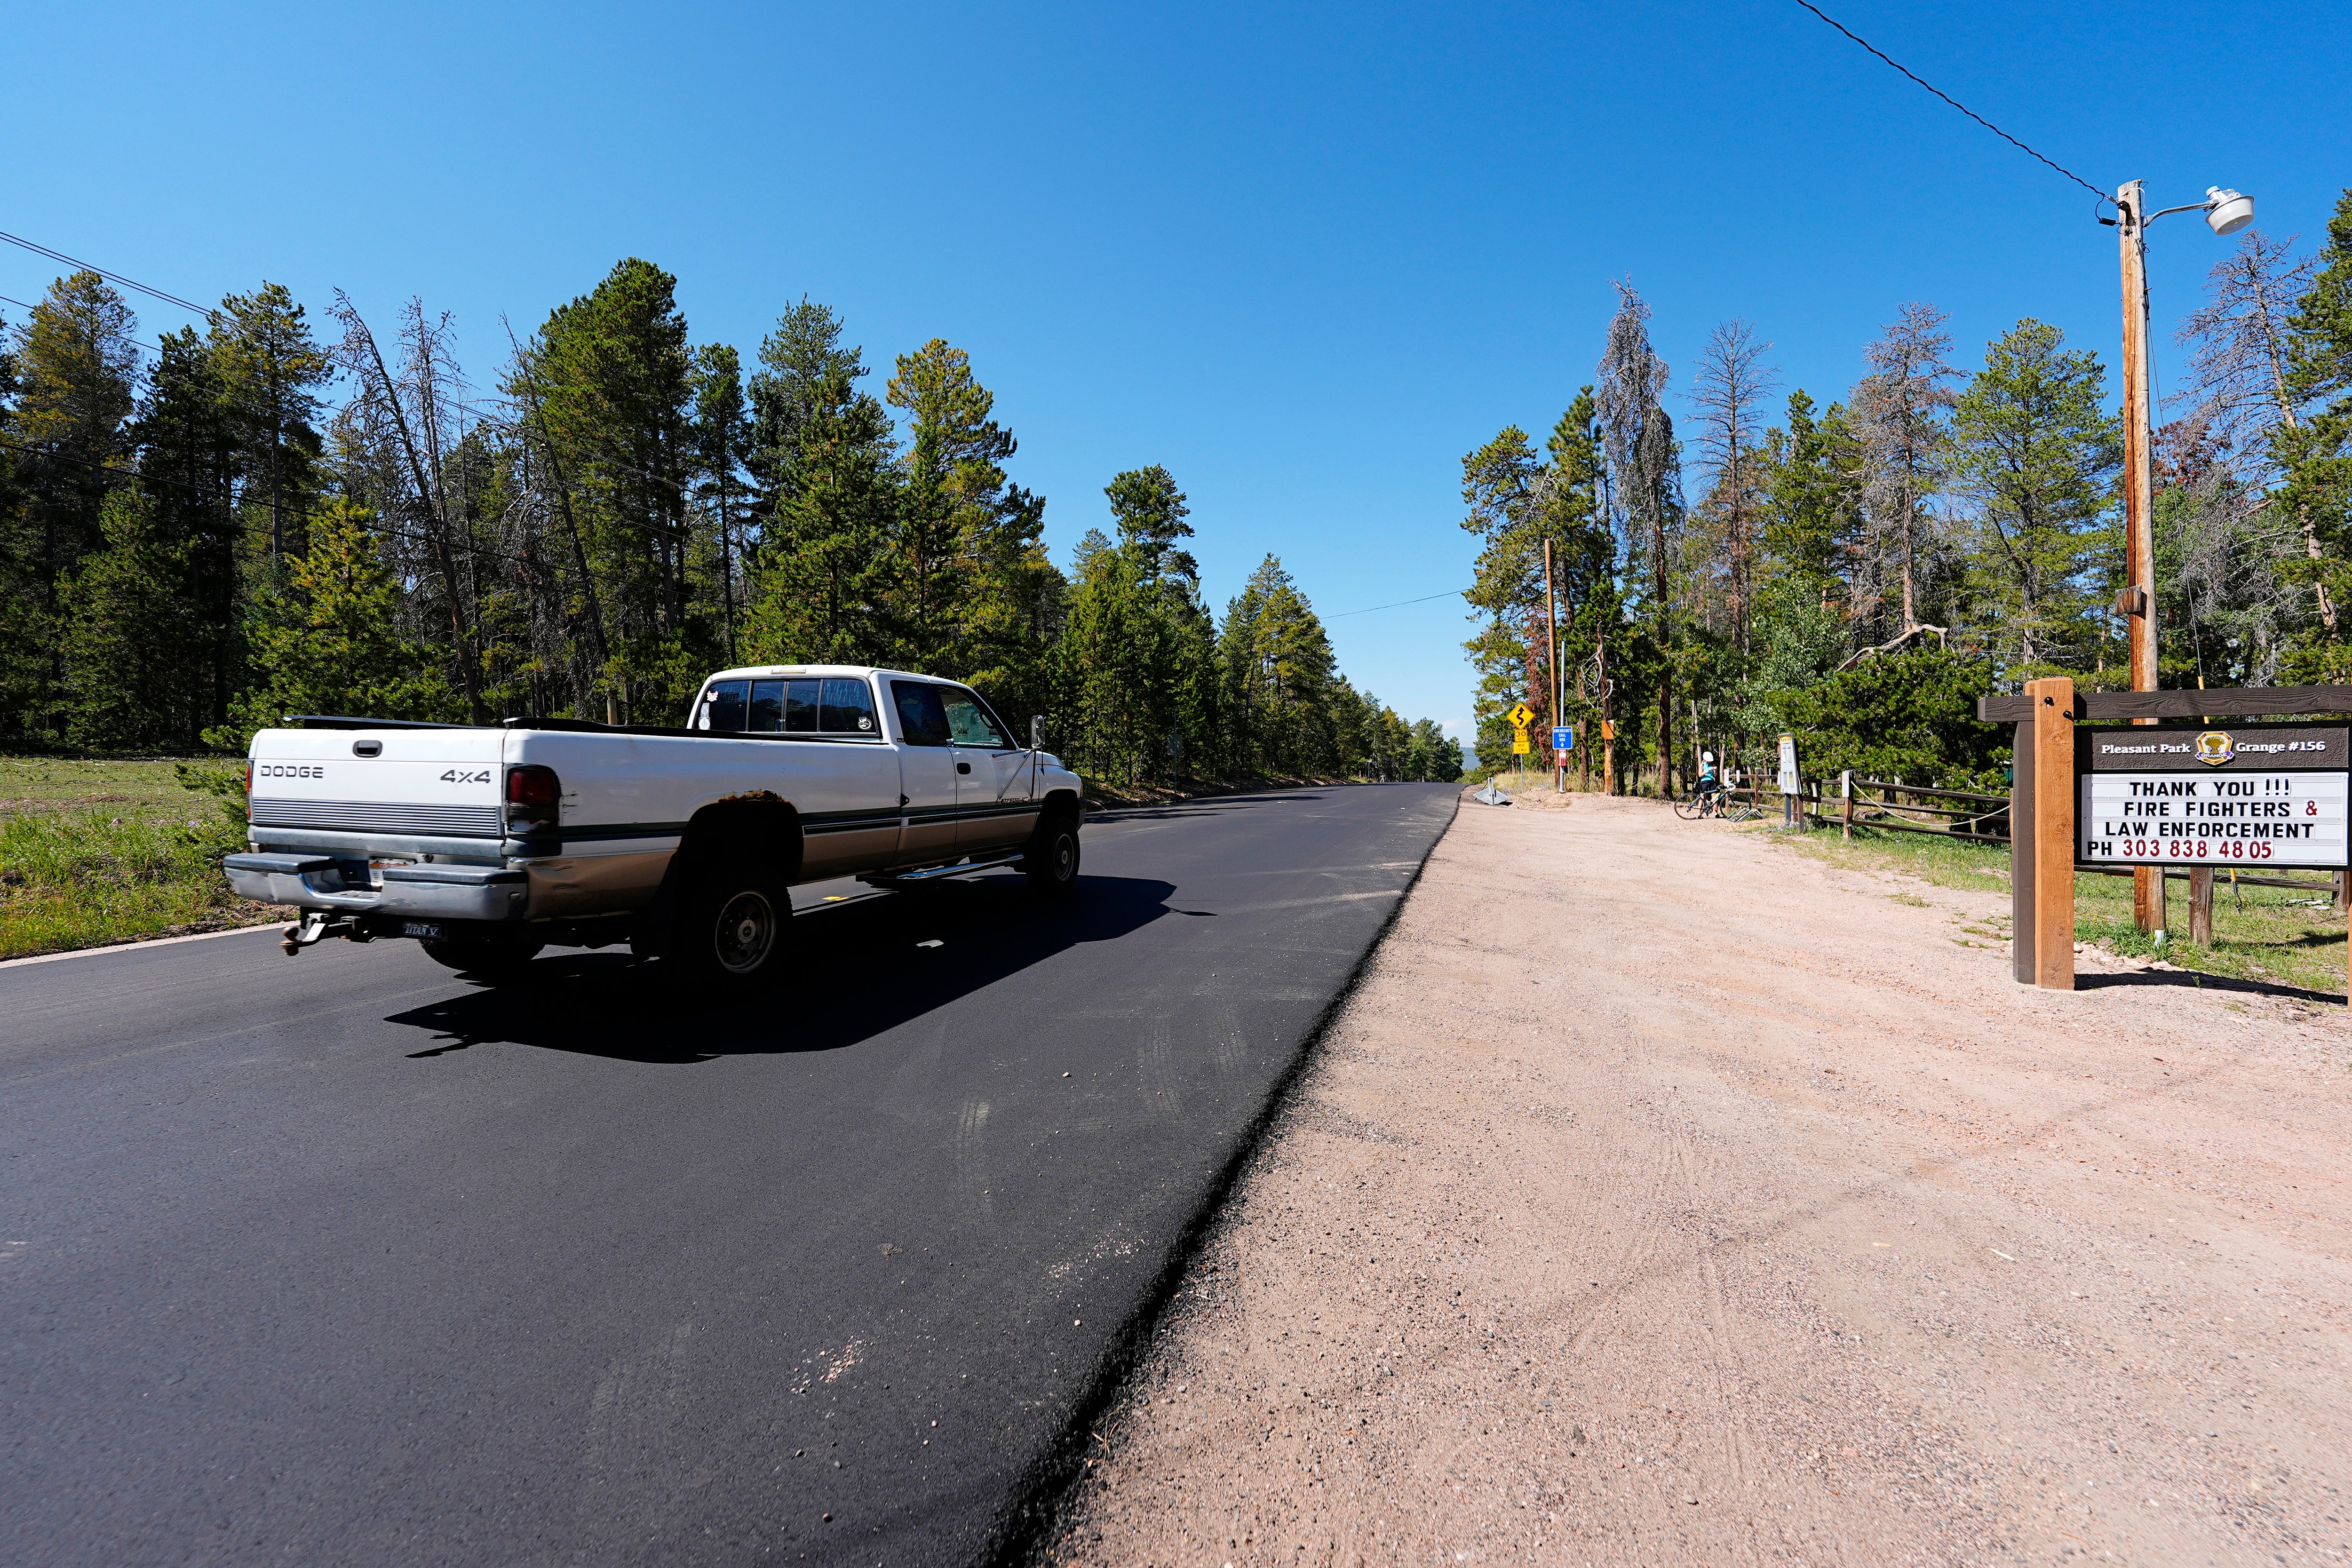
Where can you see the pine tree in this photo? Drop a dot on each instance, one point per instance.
(2037, 454)
(1575, 518)
(2316, 455)
(722, 441)
(1499, 487)
(972, 591)
(1814, 532)
(612, 379)
(822, 577)
(191, 441)
(270, 370)
(75, 372)
(133, 655)
(1278, 674)
(330, 641)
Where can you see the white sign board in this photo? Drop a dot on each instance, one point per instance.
(1789, 782)
(2269, 794)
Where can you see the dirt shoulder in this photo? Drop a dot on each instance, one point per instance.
(1665, 1197)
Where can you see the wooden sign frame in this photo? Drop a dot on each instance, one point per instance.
(2042, 799)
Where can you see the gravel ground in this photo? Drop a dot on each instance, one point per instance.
(1665, 1197)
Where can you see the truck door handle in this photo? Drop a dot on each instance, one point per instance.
(963, 767)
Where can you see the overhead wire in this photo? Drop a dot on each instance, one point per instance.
(133, 476)
(664, 533)
(1398, 604)
(1956, 103)
(206, 310)
(468, 405)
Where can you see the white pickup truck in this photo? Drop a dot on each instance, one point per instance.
(488, 843)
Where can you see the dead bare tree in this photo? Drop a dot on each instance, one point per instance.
(1638, 439)
(2237, 387)
(1729, 393)
(1898, 411)
(412, 412)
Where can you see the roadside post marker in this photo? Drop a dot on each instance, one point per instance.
(2042, 840)
(1845, 794)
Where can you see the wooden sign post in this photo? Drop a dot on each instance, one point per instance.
(2042, 840)
(2043, 801)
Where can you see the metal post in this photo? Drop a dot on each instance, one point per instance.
(1551, 663)
(2138, 600)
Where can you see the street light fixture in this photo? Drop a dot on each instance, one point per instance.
(2226, 212)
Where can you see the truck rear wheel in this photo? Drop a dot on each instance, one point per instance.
(730, 934)
(1051, 863)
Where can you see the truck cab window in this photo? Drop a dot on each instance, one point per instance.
(970, 722)
(922, 721)
(846, 707)
(722, 705)
(800, 706)
(767, 707)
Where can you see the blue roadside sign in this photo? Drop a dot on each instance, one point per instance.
(1563, 738)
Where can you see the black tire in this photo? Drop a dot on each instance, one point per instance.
(1690, 807)
(1051, 863)
(484, 958)
(728, 936)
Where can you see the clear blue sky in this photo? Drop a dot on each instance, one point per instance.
(1305, 256)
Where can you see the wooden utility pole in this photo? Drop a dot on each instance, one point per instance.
(1608, 716)
(1551, 664)
(2138, 600)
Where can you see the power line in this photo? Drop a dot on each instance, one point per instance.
(307, 514)
(205, 310)
(1954, 103)
(1398, 604)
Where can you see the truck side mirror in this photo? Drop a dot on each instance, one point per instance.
(1036, 731)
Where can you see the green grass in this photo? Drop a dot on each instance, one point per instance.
(2273, 934)
(103, 850)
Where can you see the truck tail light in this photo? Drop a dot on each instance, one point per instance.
(532, 797)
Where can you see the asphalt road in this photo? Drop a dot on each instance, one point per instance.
(345, 1259)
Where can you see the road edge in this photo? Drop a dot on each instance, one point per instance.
(1027, 1529)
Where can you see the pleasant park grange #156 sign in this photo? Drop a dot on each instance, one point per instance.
(2267, 793)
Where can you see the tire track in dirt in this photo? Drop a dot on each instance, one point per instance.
(1731, 1179)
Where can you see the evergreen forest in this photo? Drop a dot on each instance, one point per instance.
(1856, 572)
(285, 513)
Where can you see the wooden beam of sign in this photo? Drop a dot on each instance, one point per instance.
(2230, 702)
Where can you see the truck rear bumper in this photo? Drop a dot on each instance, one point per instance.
(431, 892)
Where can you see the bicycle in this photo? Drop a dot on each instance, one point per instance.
(1710, 799)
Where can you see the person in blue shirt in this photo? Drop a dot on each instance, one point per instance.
(1708, 782)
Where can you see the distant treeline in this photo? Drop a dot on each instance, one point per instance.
(1859, 573)
(200, 534)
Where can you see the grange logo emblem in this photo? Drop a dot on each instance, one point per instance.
(2215, 748)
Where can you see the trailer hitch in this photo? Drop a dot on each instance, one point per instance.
(315, 926)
